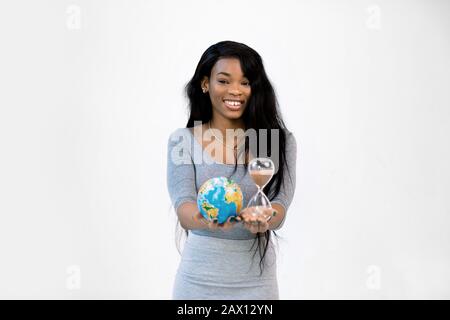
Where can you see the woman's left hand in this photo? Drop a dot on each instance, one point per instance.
(256, 223)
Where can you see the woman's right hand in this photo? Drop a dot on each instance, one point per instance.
(213, 225)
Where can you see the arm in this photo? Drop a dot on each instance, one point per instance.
(284, 198)
(281, 202)
(277, 219)
(181, 180)
(181, 185)
(190, 218)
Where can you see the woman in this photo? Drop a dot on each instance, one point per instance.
(229, 91)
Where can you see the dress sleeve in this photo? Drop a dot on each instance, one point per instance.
(287, 190)
(180, 169)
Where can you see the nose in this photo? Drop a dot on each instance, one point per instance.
(235, 92)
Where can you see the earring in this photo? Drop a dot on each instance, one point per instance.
(204, 90)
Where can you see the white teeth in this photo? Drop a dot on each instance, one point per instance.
(232, 103)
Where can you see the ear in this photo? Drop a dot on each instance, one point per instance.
(205, 82)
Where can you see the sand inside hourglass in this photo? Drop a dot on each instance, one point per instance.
(261, 177)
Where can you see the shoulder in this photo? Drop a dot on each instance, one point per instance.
(180, 134)
(291, 147)
(179, 146)
(290, 138)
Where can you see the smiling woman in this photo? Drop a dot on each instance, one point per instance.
(230, 91)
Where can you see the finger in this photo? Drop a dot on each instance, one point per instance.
(249, 215)
(272, 213)
(231, 219)
(251, 227)
(213, 225)
(200, 218)
(268, 214)
(259, 227)
(247, 212)
(263, 227)
(229, 223)
(223, 224)
(262, 219)
(227, 226)
(243, 216)
(254, 228)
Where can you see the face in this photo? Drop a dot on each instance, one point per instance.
(228, 89)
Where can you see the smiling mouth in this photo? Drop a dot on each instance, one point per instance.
(233, 104)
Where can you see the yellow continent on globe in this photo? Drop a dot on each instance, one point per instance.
(232, 196)
(212, 212)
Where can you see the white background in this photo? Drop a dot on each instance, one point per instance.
(91, 90)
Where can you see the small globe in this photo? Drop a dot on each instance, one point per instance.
(219, 198)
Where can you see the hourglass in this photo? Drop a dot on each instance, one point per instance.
(261, 170)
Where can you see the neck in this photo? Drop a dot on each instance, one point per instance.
(223, 124)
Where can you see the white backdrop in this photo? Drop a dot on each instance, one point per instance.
(91, 90)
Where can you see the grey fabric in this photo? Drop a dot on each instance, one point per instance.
(189, 166)
(221, 264)
(224, 269)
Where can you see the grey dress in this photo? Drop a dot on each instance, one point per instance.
(221, 264)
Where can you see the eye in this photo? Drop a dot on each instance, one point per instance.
(225, 81)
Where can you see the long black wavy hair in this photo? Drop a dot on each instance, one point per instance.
(262, 112)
